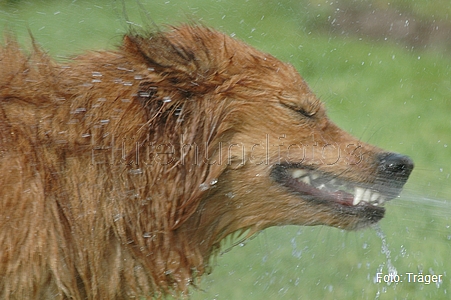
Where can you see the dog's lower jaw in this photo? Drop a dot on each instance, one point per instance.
(362, 218)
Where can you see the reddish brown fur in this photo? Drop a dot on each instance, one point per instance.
(91, 209)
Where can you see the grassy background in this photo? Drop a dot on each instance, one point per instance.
(382, 92)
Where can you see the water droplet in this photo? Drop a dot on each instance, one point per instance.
(214, 181)
(79, 110)
(204, 186)
(297, 281)
(147, 235)
(144, 94)
(167, 99)
(135, 171)
(178, 111)
(403, 251)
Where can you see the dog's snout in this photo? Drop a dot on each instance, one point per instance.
(394, 165)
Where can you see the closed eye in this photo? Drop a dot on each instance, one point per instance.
(306, 113)
(308, 108)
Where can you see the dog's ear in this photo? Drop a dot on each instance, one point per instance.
(176, 65)
(162, 53)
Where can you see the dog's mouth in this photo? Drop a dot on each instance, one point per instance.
(322, 187)
(358, 199)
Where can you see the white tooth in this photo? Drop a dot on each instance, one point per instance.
(374, 197)
(298, 173)
(367, 195)
(358, 193)
(306, 180)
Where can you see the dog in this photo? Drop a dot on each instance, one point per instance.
(122, 171)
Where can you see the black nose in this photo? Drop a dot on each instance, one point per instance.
(395, 166)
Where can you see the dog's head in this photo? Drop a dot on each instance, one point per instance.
(272, 155)
(291, 165)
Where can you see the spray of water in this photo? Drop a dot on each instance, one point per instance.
(385, 250)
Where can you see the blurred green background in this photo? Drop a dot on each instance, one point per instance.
(383, 69)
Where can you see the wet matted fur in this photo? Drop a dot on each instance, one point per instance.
(121, 171)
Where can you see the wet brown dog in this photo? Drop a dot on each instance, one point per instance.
(121, 171)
